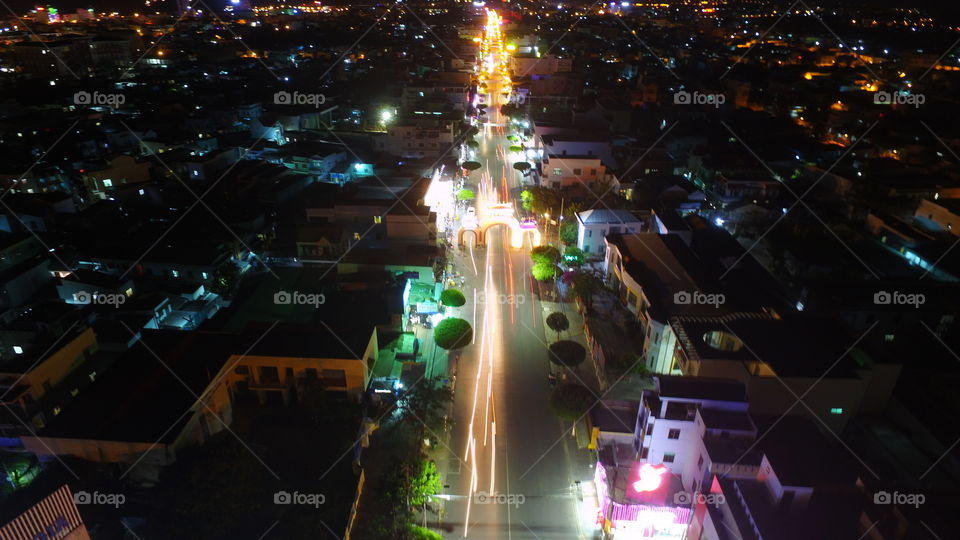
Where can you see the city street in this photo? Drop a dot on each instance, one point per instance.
(512, 464)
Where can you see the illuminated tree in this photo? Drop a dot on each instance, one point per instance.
(471, 165)
(466, 195)
(453, 333)
(545, 271)
(568, 233)
(574, 256)
(545, 255)
(452, 298)
(522, 166)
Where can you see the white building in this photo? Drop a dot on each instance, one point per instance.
(594, 225)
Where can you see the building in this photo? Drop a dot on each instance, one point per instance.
(416, 138)
(581, 172)
(55, 517)
(594, 225)
(940, 215)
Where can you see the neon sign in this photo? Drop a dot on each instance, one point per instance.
(649, 478)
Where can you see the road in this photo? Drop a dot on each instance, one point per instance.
(512, 464)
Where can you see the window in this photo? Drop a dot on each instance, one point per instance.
(356, 236)
(649, 429)
(107, 183)
(92, 375)
(18, 349)
(590, 233)
(558, 172)
(175, 273)
(668, 458)
(836, 410)
(142, 191)
(888, 337)
(205, 275)
(578, 172)
(593, 172)
(673, 434)
(378, 219)
(700, 462)
(645, 453)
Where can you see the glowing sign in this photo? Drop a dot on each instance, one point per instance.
(650, 477)
(528, 224)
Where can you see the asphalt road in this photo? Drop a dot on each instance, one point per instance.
(511, 464)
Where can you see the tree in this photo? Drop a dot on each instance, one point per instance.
(567, 353)
(526, 199)
(419, 533)
(472, 143)
(574, 256)
(425, 404)
(471, 165)
(452, 298)
(571, 401)
(545, 271)
(585, 285)
(225, 280)
(568, 233)
(466, 195)
(522, 166)
(453, 333)
(516, 148)
(425, 484)
(558, 322)
(545, 255)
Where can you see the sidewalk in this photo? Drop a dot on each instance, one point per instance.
(586, 372)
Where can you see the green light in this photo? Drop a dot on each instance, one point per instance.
(836, 410)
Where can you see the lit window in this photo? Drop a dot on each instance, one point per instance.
(378, 219)
(74, 392)
(142, 192)
(888, 337)
(836, 410)
(108, 183)
(56, 411)
(673, 434)
(205, 275)
(18, 349)
(175, 273)
(557, 172)
(668, 458)
(93, 375)
(356, 236)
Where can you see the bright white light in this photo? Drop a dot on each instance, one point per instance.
(386, 116)
(719, 222)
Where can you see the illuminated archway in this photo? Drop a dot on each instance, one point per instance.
(517, 231)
